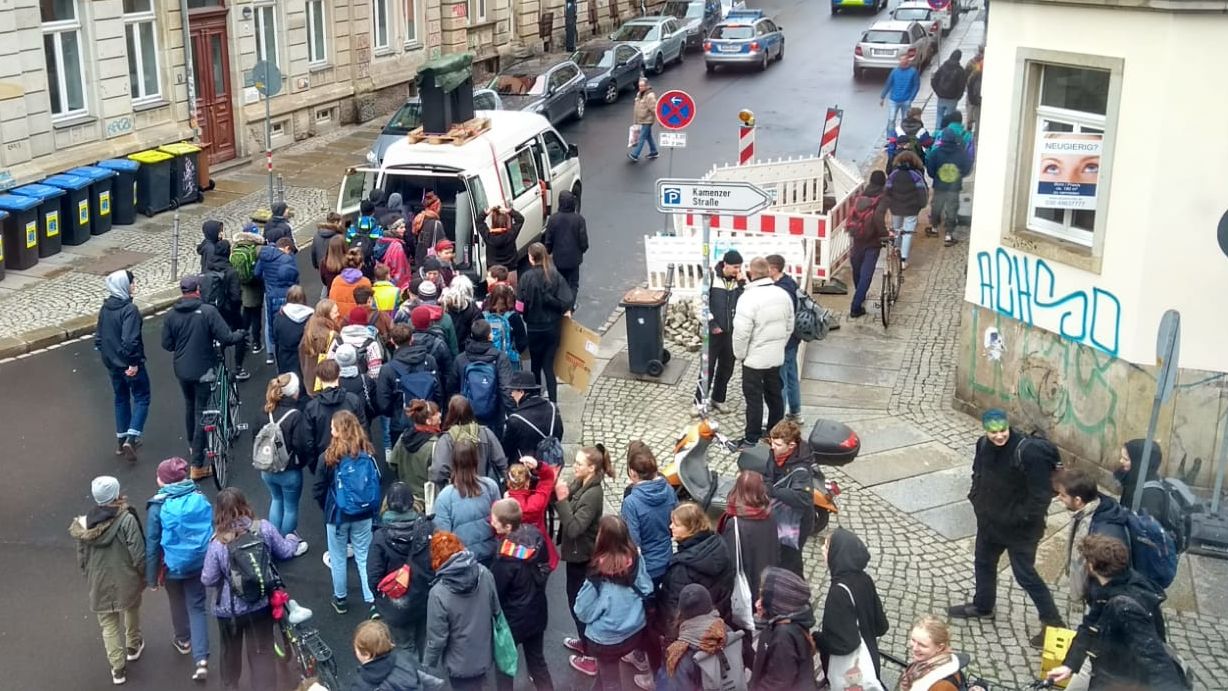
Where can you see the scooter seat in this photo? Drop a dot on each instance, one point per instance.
(724, 486)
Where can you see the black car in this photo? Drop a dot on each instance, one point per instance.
(697, 16)
(609, 68)
(551, 85)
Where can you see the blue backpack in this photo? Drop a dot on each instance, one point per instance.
(480, 384)
(1153, 552)
(501, 336)
(356, 487)
(187, 527)
(420, 382)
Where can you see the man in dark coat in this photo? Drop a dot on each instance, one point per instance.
(727, 286)
(1010, 495)
(118, 340)
(402, 538)
(278, 226)
(326, 403)
(790, 381)
(532, 420)
(479, 348)
(566, 239)
(189, 332)
(212, 232)
(229, 301)
(406, 359)
(948, 82)
(789, 477)
(278, 270)
(521, 569)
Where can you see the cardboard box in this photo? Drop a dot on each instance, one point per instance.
(577, 354)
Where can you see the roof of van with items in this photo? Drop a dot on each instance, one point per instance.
(508, 130)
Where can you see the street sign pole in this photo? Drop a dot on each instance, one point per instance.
(705, 314)
(175, 248)
(268, 146)
(266, 78)
(1168, 348)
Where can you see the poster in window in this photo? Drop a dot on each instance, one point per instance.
(1067, 170)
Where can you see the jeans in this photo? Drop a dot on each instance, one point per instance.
(790, 384)
(120, 630)
(257, 628)
(944, 210)
(468, 683)
(720, 365)
(896, 111)
(188, 617)
(131, 401)
(577, 572)
(760, 386)
(1022, 553)
(285, 488)
(358, 534)
(535, 662)
(195, 399)
(572, 276)
(945, 105)
(543, 345)
(645, 138)
(271, 306)
(904, 227)
(863, 261)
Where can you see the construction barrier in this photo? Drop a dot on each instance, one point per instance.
(686, 254)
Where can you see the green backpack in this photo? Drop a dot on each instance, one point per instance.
(243, 259)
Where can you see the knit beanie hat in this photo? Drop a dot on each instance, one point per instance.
(359, 315)
(105, 489)
(733, 258)
(694, 601)
(347, 359)
(420, 317)
(172, 470)
(427, 290)
(291, 389)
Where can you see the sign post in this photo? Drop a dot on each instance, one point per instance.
(675, 110)
(1168, 349)
(267, 79)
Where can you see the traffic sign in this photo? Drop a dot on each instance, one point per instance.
(672, 140)
(710, 197)
(939, 4)
(266, 78)
(675, 109)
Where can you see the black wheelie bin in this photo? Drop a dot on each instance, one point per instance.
(49, 216)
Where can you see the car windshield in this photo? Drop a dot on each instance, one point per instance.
(405, 119)
(682, 9)
(593, 57)
(880, 36)
(905, 14)
(736, 31)
(485, 100)
(519, 84)
(637, 32)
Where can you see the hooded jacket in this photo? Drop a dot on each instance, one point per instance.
(460, 616)
(544, 301)
(973, 88)
(490, 450)
(577, 518)
(1102, 516)
(388, 396)
(253, 290)
(521, 569)
(703, 558)
(792, 484)
(907, 193)
(319, 413)
(469, 517)
(217, 568)
(278, 270)
(111, 554)
(876, 197)
(485, 351)
(411, 459)
(276, 228)
(646, 510)
(949, 80)
(501, 244)
(533, 502)
(392, 671)
(1130, 479)
(325, 492)
(611, 611)
(784, 659)
(363, 337)
(319, 243)
(399, 269)
(723, 297)
(118, 335)
(948, 163)
(153, 535)
(342, 289)
(519, 437)
(402, 539)
(566, 236)
(1010, 497)
(189, 332)
(287, 334)
(762, 325)
(212, 230)
(230, 302)
(760, 545)
(845, 625)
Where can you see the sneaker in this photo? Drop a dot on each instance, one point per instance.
(328, 560)
(349, 551)
(388, 452)
(200, 473)
(949, 241)
(257, 346)
(120, 677)
(372, 613)
(576, 645)
(201, 672)
(242, 375)
(968, 611)
(857, 315)
(645, 682)
(184, 647)
(269, 360)
(903, 265)
(134, 654)
(633, 159)
(653, 156)
(717, 407)
(796, 418)
(301, 549)
(931, 232)
(743, 444)
(339, 605)
(1037, 640)
(638, 660)
(584, 665)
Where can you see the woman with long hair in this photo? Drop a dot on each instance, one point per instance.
(282, 405)
(333, 261)
(288, 327)
(547, 299)
(351, 278)
(702, 557)
(579, 507)
(932, 665)
(508, 331)
(319, 340)
(462, 425)
(411, 455)
(242, 622)
(611, 601)
(463, 507)
(348, 509)
(748, 521)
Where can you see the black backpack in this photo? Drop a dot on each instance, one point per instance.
(213, 290)
(251, 573)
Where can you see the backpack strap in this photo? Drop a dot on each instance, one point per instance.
(283, 417)
(522, 418)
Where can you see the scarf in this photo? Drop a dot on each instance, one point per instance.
(750, 513)
(706, 633)
(429, 429)
(919, 669)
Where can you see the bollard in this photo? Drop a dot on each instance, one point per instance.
(831, 131)
(746, 137)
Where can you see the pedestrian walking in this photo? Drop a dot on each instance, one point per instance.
(507, 328)
(348, 490)
(500, 230)
(411, 456)
(189, 332)
(353, 381)
(790, 480)
(364, 338)
(723, 294)
(426, 295)
(460, 615)
(1129, 468)
(761, 329)
(521, 569)
(118, 341)
(867, 226)
(220, 287)
(906, 195)
(748, 522)
(402, 539)
(385, 292)
(901, 88)
(211, 232)
(412, 374)
(327, 229)
(566, 239)
(445, 255)
(241, 607)
(482, 374)
(533, 422)
(947, 164)
(933, 666)
(381, 667)
(179, 526)
(789, 381)
(278, 225)
(1093, 513)
(707, 653)
(647, 507)
(463, 507)
(547, 299)
(319, 340)
(644, 117)
(284, 407)
(948, 82)
(853, 614)
(390, 253)
(702, 557)
(428, 230)
(319, 411)
(975, 69)
(427, 337)
(111, 555)
(341, 290)
(611, 601)
(288, 327)
(245, 249)
(457, 300)
(784, 657)
(579, 507)
(277, 269)
(953, 125)
(462, 425)
(1010, 495)
(530, 483)
(910, 135)
(332, 263)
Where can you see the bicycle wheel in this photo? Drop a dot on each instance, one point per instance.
(326, 674)
(884, 297)
(219, 437)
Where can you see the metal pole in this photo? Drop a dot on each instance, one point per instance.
(705, 315)
(1167, 344)
(281, 188)
(175, 248)
(268, 145)
(669, 218)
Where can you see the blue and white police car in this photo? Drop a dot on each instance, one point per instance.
(745, 37)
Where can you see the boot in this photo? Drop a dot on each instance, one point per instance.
(201, 473)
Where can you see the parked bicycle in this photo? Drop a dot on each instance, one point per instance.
(304, 648)
(893, 278)
(220, 420)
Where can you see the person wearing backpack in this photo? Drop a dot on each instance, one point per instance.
(289, 325)
(910, 135)
(1010, 496)
(789, 477)
(702, 557)
(319, 411)
(948, 82)
(784, 656)
(318, 342)
(354, 381)
(1130, 465)
(482, 374)
(278, 225)
(278, 270)
(906, 194)
(341, 291)
(507, 328)
(462, 425)
(463, 506)
(790, 383)
(547, 299)
(239, 567)
(348, 490)
(118, 341)
(457, 300)
(365, 340)
(948, 164)
(411, 374)
(411, 455)
(402, 539)
(867, 226)
(220, 287)
(521, 570)
(178, 528)
(579, 507)
(429, 336)
(282, 448)
(245, 249)
(533, 499)
(707, 654)
(1093, 513)
(535, 428)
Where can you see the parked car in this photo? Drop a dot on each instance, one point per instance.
(409, 117)
(882, 45)
(873, 5)
(660, 39)
(919, 11)
(609, 68)
(552, 85)
(698, 17)
(746, 37)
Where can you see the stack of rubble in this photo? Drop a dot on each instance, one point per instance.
(682, 325)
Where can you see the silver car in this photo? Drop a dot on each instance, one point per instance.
(660, 39)
(920, 11)
(884, 43)
(409, 117)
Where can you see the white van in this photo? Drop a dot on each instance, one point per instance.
(509, 162)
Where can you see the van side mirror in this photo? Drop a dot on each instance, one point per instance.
(573, 151)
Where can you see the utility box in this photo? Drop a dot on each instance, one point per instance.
(445, 87)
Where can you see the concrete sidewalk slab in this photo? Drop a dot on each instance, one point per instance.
(620, 367)
(904, 462)
(927, 491)
(849, 374)
(889, 354)
(886, 433)
(952, 521)
(837, 395)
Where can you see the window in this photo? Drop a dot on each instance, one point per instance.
(62, 48)
(324, 115)
(556, 150)
(278, 128)
(411, 21)
(560, 77)
(266, 34)
(522, 172)
(317, 46)
(379, 24)
(141, 36)
(477, 11)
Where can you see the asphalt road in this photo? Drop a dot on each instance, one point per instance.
(56, 411)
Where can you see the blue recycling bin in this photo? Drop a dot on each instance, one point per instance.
(74, 207)
(100, 196)
(3, 215)
(49, 215)
(20, 230)
(123, 190)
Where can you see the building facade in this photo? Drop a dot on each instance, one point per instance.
(1099, 205)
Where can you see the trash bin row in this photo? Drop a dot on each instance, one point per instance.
(68, 208)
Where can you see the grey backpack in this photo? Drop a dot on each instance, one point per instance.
(269, 451)
(724, 671)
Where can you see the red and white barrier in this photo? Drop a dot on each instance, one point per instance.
(792, 224)
(746, 144)
(831, 132)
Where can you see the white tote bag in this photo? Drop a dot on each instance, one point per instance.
(633, 135)
(742, 600)
(856, 669)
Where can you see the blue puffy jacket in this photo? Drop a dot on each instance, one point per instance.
(278, 270)
(646, 510)
(153, 534)
(902, 85)
(468, 518)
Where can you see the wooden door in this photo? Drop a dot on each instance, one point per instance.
(214, 103)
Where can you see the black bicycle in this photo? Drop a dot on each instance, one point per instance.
(220, 420)
(893, 276)
(304, 648)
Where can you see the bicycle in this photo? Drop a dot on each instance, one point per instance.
(220, 421)
(893, 277)
(305, 648)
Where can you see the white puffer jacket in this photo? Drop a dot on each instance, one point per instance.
(762, 325)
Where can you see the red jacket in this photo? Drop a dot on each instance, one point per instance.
(533, 503)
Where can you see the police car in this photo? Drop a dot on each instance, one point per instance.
(746, 37)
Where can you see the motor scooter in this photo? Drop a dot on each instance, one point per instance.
(831, 443)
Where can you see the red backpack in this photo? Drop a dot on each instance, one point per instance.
(859, 224)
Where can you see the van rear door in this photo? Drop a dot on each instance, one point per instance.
(358, 183)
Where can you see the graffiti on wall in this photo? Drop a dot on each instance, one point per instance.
(1027, 289)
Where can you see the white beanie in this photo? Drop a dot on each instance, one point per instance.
(291, 389)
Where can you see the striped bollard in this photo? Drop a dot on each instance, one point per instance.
(746, 137)
(831, 131)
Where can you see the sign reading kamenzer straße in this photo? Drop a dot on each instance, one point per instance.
(710, 197)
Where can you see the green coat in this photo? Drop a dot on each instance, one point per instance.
(111, 554)
(411, 457)
(578, 517)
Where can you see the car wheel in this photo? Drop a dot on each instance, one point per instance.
(580, 101)
(681, 54)
(709, 67)
(611, 92)
(835, 10)
(763, 63)
(781, 55)
(659, 65)
(858, 73)
(575, 190)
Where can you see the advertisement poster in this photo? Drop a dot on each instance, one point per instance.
(1067, 170)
